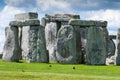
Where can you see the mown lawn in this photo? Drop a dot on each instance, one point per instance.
(43, 71)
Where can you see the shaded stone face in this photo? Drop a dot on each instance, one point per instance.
(66, 45)
(111, 49)
(117, 54)
(95, 49)
(42, 54)
(11, 47)
(51, 37)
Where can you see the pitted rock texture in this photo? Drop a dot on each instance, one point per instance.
(51, 38)
(95, 49)
(11, 48)
(66, 45)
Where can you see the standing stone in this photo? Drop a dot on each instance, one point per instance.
(66, 45)
(51, 36)
(33, 44)
(42, 54)
(111, 49)
(29, 43)
(117, 53)
(11, 47)
(79, 54)
(95, 49)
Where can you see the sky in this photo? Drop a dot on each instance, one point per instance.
(108, 10)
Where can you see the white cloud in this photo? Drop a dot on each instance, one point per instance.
(53, 5)
(112, 16)
(14, 2)
(6, 15)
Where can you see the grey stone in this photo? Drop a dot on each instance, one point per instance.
(111, 48)
(87, 23)
(11, 47)
(51, 37)
(1, 54)
(43, 22)
(61, 17)
(79, 54)
(26, 16)
(66, 45)
(32, 22)
(112, 36)
(33, 44)
(95, 49)
(117, 54)
(41, 46)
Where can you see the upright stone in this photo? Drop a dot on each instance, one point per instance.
(117, 54)
(32, 37)
(29, 43)
(79, 54)
(50, 36)
(11, 47)
(42, 54)
(95, 49)
(66, 45)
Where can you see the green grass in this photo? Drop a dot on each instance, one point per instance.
(43, 71)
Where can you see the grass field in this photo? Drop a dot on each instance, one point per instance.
(42, 71)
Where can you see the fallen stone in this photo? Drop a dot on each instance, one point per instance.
(11, 47)
(66, 45)
(95, 49)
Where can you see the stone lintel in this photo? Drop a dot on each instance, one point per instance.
(61, 17)
(57, 19)
(112, 36)
(26, 16)
(87, 23)
(25, 23)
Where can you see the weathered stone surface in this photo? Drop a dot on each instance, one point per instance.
(43, 22)
(66, 45)
(79, 54)
(11, 47)
(95, 49)
(117, 54)
(51, 37)
(112, 36)
(1, 54)
(35, 22)
(87, 23)
(33, 44)
(111, 48)
(26, 16)
(61, 17)
(41, 46)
